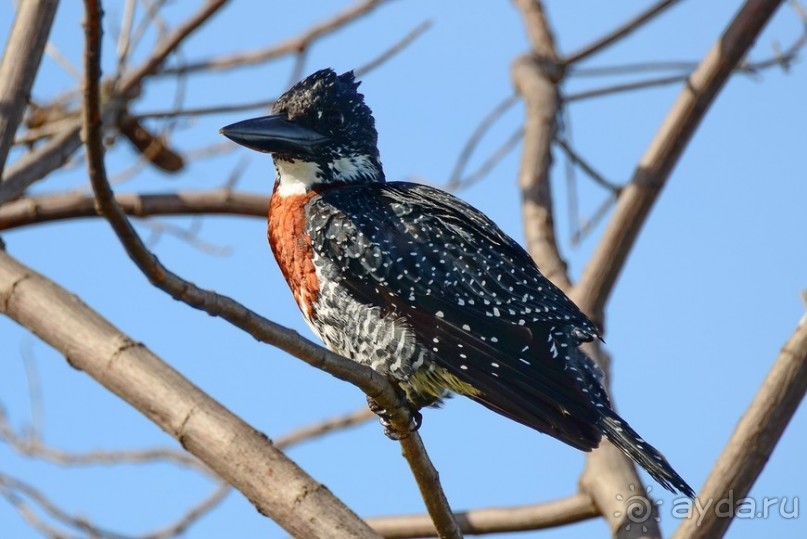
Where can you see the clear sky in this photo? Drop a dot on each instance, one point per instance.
(708, 297)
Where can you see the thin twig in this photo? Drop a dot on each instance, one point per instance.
(299, 65)
(629, 68)
(485, 124)
(202, 111)
(584, 228)
(48, 208)
(63, 61)
(624, 87)
(188, 235)
(539, 516)
(490, 163)
(152, 15)
(360, 416)
(655, 166)
(618, 33)
(14, 490)
(271, 503)
(36, 165)
(575, 158)
(291, 46)
(127, 22)
(396, 47)
(161, 51)
(34, 392)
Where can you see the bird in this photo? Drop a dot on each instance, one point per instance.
(419, 285)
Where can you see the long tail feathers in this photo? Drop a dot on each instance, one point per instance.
(644, 454)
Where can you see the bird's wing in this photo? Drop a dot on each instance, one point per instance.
(472, 296)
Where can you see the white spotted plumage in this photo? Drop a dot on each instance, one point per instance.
(425, 289)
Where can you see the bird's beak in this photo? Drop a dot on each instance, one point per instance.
(273, 134)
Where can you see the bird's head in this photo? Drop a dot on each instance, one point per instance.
(321, 133)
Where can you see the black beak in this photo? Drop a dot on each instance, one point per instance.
(273, 134)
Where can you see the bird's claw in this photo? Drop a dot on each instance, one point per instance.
(416, 419)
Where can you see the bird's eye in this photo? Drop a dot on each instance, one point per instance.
(336, 118)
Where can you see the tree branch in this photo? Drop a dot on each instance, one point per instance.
(456, 179)
(24, 50)
(37, 164)
(326, 426)
(291, 46)
(130, 80)
(538, 516)
(618, 33)
(535, 78)
(753, 439)
(431, 490)
(633, 207)
(638, 197)
(396, 47)
(372, 383)
(273, 483)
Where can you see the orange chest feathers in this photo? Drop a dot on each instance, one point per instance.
(291, 246)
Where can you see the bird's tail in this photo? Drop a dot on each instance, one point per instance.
(642, 453)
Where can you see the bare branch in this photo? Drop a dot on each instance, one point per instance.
(583, 229)
(362, 415)
(539, 516)
(201, 111)
(629, 68)
(130, 80)
(618, 33)
(535, 78)
(373, 384)
(490, 163)
(202, 425)
(189, 235)
(753, 440)
(397, 47)
(24, 49)
(15, 490)
(633, 207)
(34, 210)
(37, 164)
(203, 507)
(655, 166)
(431, 491)
(124, 38)
(575, 158)
(490, 118)
(624, 87)
(291, 46)
(309, 511)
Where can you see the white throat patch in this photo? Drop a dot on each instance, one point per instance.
(296, 177)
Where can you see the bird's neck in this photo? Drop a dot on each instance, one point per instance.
(298, 177)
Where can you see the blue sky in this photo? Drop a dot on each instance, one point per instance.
(708, 297)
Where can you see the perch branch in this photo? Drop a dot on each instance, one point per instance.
(373, 384)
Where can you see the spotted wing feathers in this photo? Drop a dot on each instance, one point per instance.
(477, 302)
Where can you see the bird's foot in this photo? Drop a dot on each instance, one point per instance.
(389, 429)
